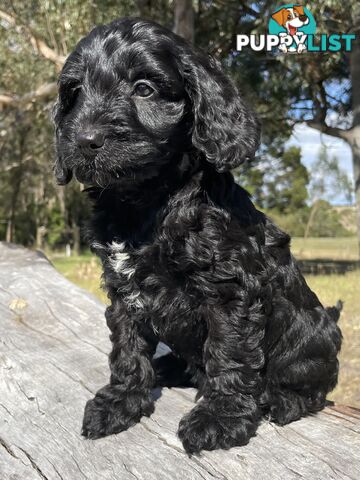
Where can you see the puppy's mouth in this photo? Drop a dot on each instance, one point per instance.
(96, 176)
(99, 175)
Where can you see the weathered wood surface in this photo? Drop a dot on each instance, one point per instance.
(53, 357)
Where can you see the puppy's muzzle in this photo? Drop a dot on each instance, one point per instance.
(90, 143)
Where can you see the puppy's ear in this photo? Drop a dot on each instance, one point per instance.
(299, 9)
(224, 128)
(279, 16)
(62, 174)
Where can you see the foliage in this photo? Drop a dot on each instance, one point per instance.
(293, 223)
(328, 179)
(29, 199)
(286, 191)
(327, 221)
(277, 183)
(283, 90)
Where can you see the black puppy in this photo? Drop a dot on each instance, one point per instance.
(154, 126)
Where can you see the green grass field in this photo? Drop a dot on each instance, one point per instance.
(85, 271)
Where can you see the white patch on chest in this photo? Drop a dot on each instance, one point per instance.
(134, 300)
(121, 262)
(118, 259)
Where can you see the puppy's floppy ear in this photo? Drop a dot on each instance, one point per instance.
(299, 9)
(224, 128)
(62, 174)
(279, 16)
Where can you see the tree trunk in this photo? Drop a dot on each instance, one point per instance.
(313, 211)
(17, 180)
(76, 238)
(184, 19)
(54, 349)
(10, 229)
(40, 234)
(354, 138)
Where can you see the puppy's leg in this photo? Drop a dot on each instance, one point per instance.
(127, 397)
(302, 367)
(228, 413)
(174, 371)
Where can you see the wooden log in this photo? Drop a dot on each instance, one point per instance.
(53, 357)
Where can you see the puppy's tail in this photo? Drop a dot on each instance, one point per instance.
(334, 312)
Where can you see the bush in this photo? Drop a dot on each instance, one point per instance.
(326, 221)
(292, 223)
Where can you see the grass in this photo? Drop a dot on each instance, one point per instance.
(341, 248)
(85, 271)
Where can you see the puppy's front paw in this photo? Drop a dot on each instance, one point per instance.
(106, 413)
(200, 430)
(203, 429)
(301, 48)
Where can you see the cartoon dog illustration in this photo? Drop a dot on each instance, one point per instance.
(291, 19)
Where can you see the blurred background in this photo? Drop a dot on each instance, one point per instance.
(307, 173)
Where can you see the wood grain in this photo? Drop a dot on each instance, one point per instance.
(53, 357)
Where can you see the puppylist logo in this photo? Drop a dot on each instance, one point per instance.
(292, 29)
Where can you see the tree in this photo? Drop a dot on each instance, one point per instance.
(320, 89)
(37, 37)
(286, 190)
(184, 19)
(278, 183)
(336, 114)
(328, 181)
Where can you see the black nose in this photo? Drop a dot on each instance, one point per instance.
(303, 18)
(90, 142)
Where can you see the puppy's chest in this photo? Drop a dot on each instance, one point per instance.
(147, 285)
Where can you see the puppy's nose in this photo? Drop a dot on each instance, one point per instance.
(90, 142)
(303, 18)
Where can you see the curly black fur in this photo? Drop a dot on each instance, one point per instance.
(187, 258)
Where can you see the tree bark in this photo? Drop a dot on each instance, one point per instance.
(184, 19)
(54, 347)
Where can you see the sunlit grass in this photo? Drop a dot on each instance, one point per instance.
(342, 248)
(84, 271)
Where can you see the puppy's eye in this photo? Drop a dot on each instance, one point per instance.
(74, 91)
(143, 90)
(68, 95)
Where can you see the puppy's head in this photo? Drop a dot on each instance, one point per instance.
(134, 97)
(294, 17)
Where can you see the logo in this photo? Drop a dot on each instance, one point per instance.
(292, 29)
(292, 23)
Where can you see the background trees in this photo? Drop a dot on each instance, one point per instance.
(319, 89)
